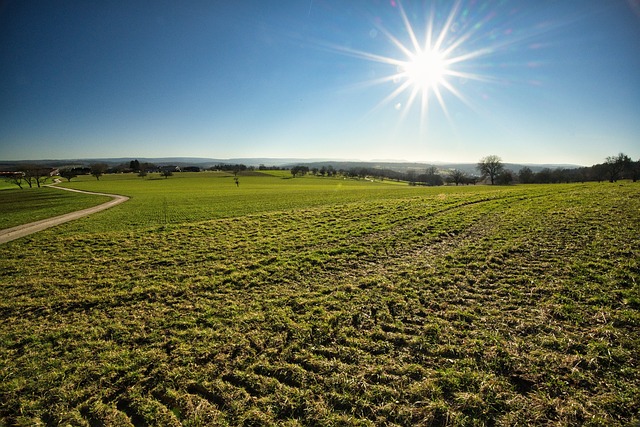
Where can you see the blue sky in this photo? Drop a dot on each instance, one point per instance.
(550, 81)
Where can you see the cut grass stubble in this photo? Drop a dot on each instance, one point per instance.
(517, 306)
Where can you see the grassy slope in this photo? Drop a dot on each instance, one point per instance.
(511, 306)
(6, 185)
(191, 197)
(21, 206)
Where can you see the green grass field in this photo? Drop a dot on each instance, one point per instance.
(192, 197)
(6, 185)
(326, 302)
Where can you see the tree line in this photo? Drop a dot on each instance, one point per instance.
(614, 168)
(490, 169)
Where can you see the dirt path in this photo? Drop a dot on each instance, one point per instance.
(9, 234)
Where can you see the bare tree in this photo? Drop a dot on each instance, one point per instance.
(457, 176)
(525, 175)
(28, 178)
(616, 165)
(68, 174)
(505, 177)
(490, 166)
(299, 170)
(41, 176)
(430, 177)
(35, 174)
(134, 165)
(411, 176)
(98, 169)
(16, 178)
(634, 170)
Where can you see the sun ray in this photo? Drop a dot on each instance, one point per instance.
(428, 33)
(409, 28)
(424, 112)
(459, 96)
(367, 55)
(393, 95)
(438, 95)
(447, 26)
(395, 41)
(411, 100)
(432, 61)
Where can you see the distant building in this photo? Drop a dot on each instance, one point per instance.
(7, 174)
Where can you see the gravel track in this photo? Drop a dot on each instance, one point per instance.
(19, 231)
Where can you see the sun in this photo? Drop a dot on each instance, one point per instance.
(429, 65)
(425, 69)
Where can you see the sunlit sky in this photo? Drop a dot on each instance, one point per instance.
(545, 81)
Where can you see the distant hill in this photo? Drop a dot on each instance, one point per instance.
(202, 162)
(178, 161)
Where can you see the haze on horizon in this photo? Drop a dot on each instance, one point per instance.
(533, 82)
